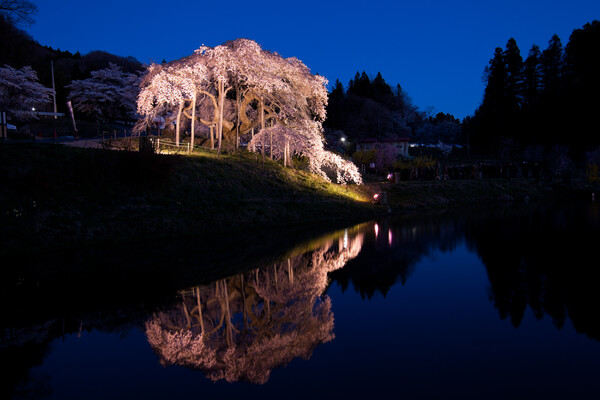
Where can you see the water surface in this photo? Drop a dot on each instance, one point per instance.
(484, 303)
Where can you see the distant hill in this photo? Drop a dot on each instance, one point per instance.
(17, 49)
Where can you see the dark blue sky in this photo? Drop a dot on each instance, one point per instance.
(436, 49)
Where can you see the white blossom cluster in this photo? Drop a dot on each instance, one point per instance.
(305, 138)
(108, 93)
(21, 92)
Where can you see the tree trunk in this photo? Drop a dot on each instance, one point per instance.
(187, 314)
(286, 154)
(193, 120)
(228, 313)
(221, 104)
(271, 145)
(237, 116)
(243, 293)
(290, 272)
(200, 310)
(178, 123)
(146, 146)
(262, 126)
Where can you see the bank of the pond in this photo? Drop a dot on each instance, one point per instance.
(52, 195)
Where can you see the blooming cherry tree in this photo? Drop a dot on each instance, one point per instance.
(108, 93)
(21, 92)
(278, 98)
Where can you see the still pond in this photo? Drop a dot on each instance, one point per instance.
(491, 303)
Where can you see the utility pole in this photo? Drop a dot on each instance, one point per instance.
(53, 88)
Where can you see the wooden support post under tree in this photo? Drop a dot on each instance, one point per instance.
(193, 120)
(228, 322)
(243, 293)
(262, 126)
(222, 93)
(286, 154)
(178, 122)
(271, 144)
(290, 272)
(237, 116)
(200, 309)
(185, 311)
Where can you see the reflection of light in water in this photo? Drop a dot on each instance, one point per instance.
(376, 230)
(390, 237)
(242, 327)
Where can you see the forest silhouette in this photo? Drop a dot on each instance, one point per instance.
(549, 98)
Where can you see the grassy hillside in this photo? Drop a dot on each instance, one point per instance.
(53, 195)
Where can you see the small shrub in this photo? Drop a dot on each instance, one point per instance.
(417, 162)
(364, 157)
(300, 163)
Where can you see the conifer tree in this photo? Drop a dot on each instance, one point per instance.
(582, 82)
(532, 75)
(514, 76)
(492, 110)
(382, 92)
(336, 107)
(532, 81)
(552, 67)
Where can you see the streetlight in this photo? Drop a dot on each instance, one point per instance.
(343, 144)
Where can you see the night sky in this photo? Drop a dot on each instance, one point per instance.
(436, 50)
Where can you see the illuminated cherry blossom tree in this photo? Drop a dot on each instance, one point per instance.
(241, 328)
(108, 93)
(239, 89)
(21, 92)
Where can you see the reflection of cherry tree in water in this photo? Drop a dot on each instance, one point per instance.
(242, 327)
